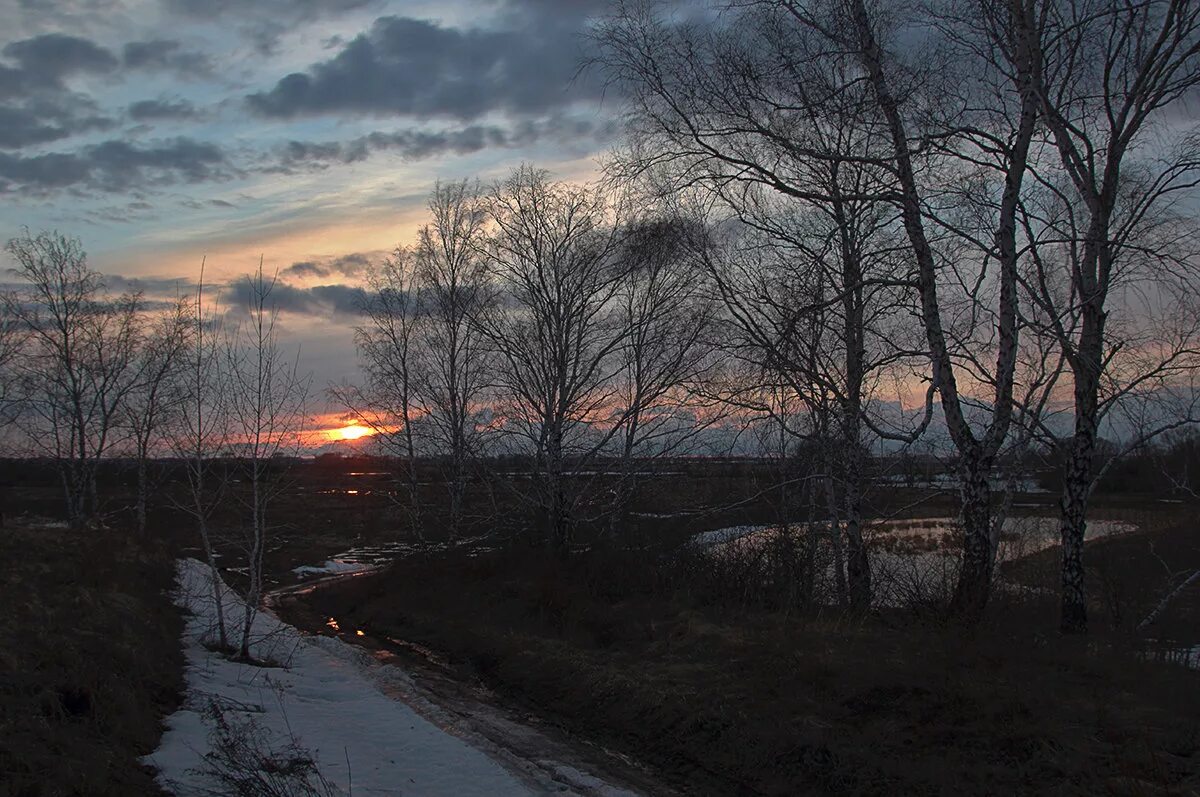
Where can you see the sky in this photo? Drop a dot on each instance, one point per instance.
(307, 132)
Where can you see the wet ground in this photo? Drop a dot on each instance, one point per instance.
(543, 756)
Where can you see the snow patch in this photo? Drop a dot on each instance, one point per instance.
(324, 696)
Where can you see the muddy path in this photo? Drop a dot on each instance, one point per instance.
(545, 757)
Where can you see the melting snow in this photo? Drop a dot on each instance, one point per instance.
(325, 697)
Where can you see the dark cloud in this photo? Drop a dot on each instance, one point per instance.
(322, 300)
(420, 68)
(152, 110)
(54, 55)
(43, 62)
(39, 107)
(417, 144)
(341, 299)
(351, 265)
(43, 121)
(263, 22)
(165, 54)
(155, 287)
(115, 166)
(290, 9)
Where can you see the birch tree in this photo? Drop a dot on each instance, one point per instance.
(754, 114)
(80, 365)
(200, 435)
(1111, 81)
(266, 396)
(982, 130)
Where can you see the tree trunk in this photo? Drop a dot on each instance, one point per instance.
(975, 578)
(142, 488)
(858, 567)
(835, 539)
(457, 490)
(1077, 483)
(256, 555)
(559, 523)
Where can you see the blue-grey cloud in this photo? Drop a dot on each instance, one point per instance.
(165, 55)
(114, 166)
(39, 107)
(154, 110)
(420, 68)
(418, 144)
(289, 9)
(321, 300)
(351, 265)
(43, 121)
(263, 22)
(43, 61)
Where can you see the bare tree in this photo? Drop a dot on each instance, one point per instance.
(158, 393)
(389, 403)
(200, 435)
(816, 305)
(451, 363)
(266, 395)
(1110, 80)
(554, 330)
(767, 121)
(667, 315)
(81, 362)
(924, 115)
(13, 337)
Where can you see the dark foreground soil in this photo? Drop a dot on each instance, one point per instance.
(756, 702)
(90, 660)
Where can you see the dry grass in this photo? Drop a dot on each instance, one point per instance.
(89, 661)
(756, 701)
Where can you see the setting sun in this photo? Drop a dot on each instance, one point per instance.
(353, 432)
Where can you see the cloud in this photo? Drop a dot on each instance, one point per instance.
(165, 55)
(152, 110)
(321, 300)
(419, 144)
(418, 67)
(263, 22)
(40, 122)
(352, 265)
(290, 9)
(152, 287)
(43, 61)
(38, 107)
(114, 166)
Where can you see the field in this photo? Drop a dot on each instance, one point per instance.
(665, 653)
(89, 659)
(672, 661)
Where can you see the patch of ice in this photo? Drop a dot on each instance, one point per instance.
(333, 567)
(707, 539)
